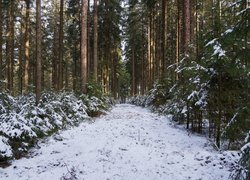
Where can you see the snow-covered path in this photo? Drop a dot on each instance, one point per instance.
(128, 143)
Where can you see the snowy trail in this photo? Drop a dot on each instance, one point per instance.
(128, 143)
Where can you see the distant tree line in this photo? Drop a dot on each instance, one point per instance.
(60, 45)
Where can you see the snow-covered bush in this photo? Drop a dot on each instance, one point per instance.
(22, 122)
(6, 102)
(94, 105)
(138, 100)
(62, 110)
(242, 172)
(155, 98)
(5, 148)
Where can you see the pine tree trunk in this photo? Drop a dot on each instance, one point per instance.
(61, 45)
(75, 68)
(95, 41)
(149, 53)
(8, 49)
(84, 72)
(27, 47)
(89, 67)
(11, 48)
(186, 15)
(178, 37)
(133, 71)
(114, 73)
(21, 48)
(151, 66)
(55, 68)
(1, 45)
(66, 77)
(38, 51)
(153, 46)
(163, 36)
(143, 69)
(158, 53)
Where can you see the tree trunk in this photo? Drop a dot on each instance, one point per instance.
(95, 41)
(1, 45)
(114, 73)
(178, 37)
(75, 68)
(89, 65)
(153, 51)
(55, 69)
(133, 70)
(21, 48)
(163, 41)
(27, 47)
(186, 15)
(60, 68)
(84, 43)
(149, 53)
(66, 76)
(38, 51)
(143, 69)
(217, 18)
(11, 48)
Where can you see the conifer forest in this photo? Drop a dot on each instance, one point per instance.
(102, 72)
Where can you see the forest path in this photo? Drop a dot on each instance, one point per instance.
(128, 143)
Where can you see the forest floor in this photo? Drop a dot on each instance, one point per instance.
(128, 143)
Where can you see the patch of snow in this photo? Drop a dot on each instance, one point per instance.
(5, 149)
(211, 42)
(218, 50)
(184, 110)
(227, 32)
(192, 95)
(245, 147)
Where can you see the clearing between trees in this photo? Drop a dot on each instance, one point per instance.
(129, 142)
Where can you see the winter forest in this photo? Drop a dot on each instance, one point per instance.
(133, 89)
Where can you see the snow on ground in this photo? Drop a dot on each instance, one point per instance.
(128, 143)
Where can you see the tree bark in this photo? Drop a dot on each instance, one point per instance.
(38, 51)
(133, 70)
(187, 21)
(84, 43)
(163, 41)
(27, 47)
(61, 45)
(21, 50)
(114, 72)
(149, 53)
(1, 45)
(10, 48)
(55, 69)
(178, 37)
(7, 48)
(153, 40)
(95, 40)
(89, 63)
(143, 70)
